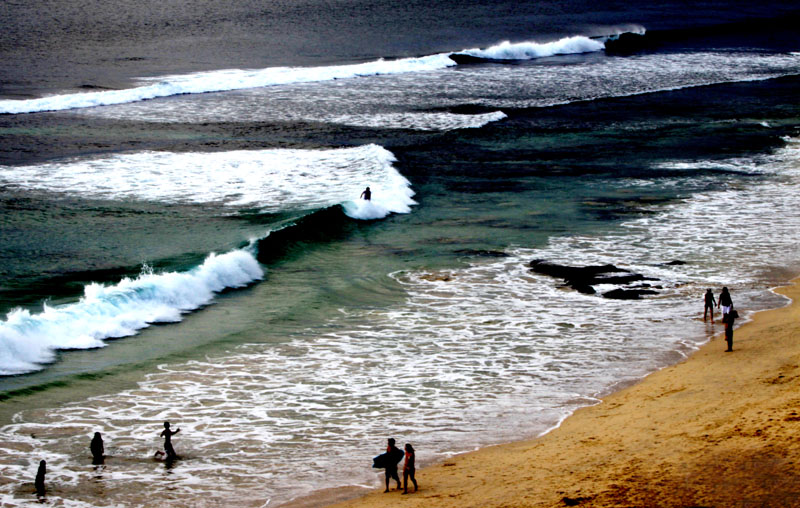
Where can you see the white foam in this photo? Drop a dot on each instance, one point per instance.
(223, 80)
(269, 180)
(485, 353)
(530, 50)
(27, 340)
(418, 121)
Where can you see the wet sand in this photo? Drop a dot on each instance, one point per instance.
(719, 429)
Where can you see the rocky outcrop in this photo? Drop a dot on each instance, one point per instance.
(584, 278)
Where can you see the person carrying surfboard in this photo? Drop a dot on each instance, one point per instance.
(393, 457)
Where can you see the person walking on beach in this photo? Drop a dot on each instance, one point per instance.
(409, 469)
(167, 435)
(728, 319)
(39, 483)
(367, 194)
(710, 302)
(394, 454)
(97, 449)
(726, 302)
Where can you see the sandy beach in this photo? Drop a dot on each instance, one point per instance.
(719, 429)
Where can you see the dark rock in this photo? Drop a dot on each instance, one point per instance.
(483, 253)
(628, 294)
(574, 501)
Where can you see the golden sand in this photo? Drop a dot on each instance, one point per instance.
(718, 430)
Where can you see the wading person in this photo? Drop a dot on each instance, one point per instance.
(726, 302)
(367, 194)
(709, 308)
(167, 435)
(39, 483)
(97, 449)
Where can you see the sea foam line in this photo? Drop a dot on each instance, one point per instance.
(238, 79)
(110, 311)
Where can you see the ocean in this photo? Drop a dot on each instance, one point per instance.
(182, 237)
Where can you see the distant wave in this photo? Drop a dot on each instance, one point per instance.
(530, 50)
(110, 311)
(237, 79)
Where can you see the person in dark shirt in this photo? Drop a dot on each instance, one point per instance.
(728, 319)
(167, 435)
(367, 194)
(395, 454)
(710, 302)
(409, 469)
(39, 483)
(97, 449)
(726, 302)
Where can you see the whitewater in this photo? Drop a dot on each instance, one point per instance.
(278, 180)
(238, 79)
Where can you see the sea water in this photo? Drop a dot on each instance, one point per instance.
(187, 244)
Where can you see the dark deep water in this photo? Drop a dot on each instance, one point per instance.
(118, 316)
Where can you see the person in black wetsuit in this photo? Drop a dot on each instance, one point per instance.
(39, 483)
(710, 302)
(367, 194)
(395, 454)
(97, 449)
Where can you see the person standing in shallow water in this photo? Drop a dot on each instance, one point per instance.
(394, 456)
(39, 483)
(167, 435)
(409, 469)
(710, 302)
(97, 449)
(726, 302)
(367, 194)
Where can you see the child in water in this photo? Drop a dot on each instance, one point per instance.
(409, 469)
(167, 435)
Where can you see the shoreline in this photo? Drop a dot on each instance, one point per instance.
(715, 429)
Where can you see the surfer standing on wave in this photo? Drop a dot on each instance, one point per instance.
(367, 194)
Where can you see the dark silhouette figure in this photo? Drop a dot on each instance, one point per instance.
(710, 302)
(394, 456)
(726, 302)
(39, 483)
(728, 319)
(409, 469)
(367, 194)
(167, 435)
(97, 449)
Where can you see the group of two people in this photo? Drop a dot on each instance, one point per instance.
(729, 314)
(391, 458)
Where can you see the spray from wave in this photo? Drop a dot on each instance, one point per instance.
(29, 340)
(272, 180)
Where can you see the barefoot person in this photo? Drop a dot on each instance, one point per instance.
(710, 302)
(726, 302)
(409, 469)
(394, 454)
(97, 449)
(167, 435)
